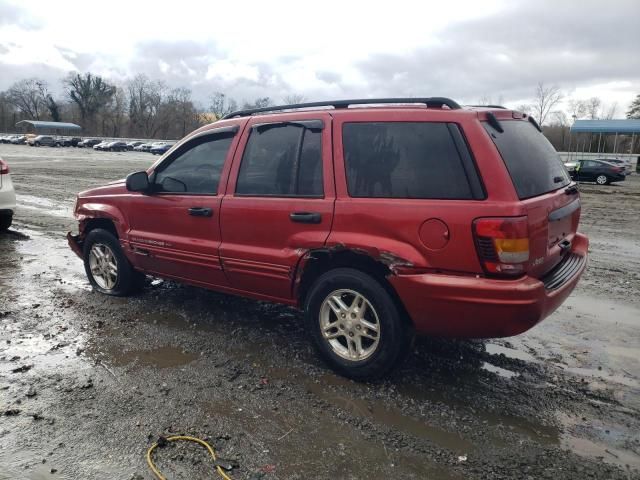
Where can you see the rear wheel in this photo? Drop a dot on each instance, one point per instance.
(602, 180)
(355, 324)
(5, 222)
(106, 266)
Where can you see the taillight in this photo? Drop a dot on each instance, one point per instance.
(502, 244)
(4, 167)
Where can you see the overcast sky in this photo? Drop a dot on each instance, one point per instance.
(334, 49)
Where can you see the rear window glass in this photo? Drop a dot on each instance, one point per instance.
(403, 160)
(533, 163)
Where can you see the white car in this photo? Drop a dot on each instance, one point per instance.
(7, 197)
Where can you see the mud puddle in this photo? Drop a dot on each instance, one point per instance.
(44, 206)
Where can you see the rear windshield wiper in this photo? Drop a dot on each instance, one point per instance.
(493, 121)
(571, 189)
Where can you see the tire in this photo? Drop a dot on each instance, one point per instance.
(602, 180)
(5, 222)
(381, 351)
(124, 281)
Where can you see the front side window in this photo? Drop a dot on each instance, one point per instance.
(196, 168)
(281, 160)
(403, 160)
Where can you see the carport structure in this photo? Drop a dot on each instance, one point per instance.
(625, 133)
(39, 127)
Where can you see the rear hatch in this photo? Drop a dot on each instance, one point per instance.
(543, 185)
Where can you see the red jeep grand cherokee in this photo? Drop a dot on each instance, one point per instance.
(380, 222)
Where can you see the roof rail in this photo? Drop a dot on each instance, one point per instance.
(433, 102)
(488, 106)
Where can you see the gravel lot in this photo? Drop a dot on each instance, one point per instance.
(88, 382)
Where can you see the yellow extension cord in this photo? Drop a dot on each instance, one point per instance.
(174, 438)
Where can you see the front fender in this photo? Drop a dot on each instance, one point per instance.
(94, 210)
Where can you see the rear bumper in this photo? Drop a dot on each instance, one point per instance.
(75, 244)
(477, 307)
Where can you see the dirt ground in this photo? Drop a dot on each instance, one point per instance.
(89, 382)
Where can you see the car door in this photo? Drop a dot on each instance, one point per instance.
(585, 173)
(279, 202)
(175, 229)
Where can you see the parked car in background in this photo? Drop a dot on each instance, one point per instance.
(626, 164)
(63, 141)
(18, 140)
(601, 172)
(161, 148)
(42, 140)
(88, 142)
(102, 145)
(116, 146)
(143, 147)
(378, 222)
(132, 145)
(6, 138)
(7, 197)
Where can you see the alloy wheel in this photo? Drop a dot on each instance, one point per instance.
(103, 265)
(350, 324)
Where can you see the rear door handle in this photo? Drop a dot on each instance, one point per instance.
(201, 211)
(305, 217)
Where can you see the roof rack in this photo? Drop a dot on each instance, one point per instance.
(488, 106)
(432, 102)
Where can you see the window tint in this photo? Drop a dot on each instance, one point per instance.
(197, 168)
(534, 165)
(281, 160)
(403, 160)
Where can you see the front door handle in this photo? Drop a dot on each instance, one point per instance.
(201, 211)
(305, 217)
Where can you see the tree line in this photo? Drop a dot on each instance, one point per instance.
(138, 108)
(145, 108)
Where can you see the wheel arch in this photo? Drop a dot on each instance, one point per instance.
(94, 216)
(319, 261)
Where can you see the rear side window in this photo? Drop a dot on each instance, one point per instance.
(533, 163)
(406, 160)
(281, 160)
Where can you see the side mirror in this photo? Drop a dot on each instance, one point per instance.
(138, 182)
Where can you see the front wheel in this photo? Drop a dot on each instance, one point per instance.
(356, 325)
(602, 180)
(106, 266)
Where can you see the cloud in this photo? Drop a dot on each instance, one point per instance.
(579, 46)
(506, 54)
(11, 14)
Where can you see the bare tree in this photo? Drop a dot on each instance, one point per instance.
(145, 101)
(577, 108)
(593, 108)
(180, 115)
(114, 115)
(525, 108)
(222, 105)
(559, 118)
(611, 111)
(258, 103)
(546, 99)
(91, 93)
(293, 99)
(488, 100)
(29, 96)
